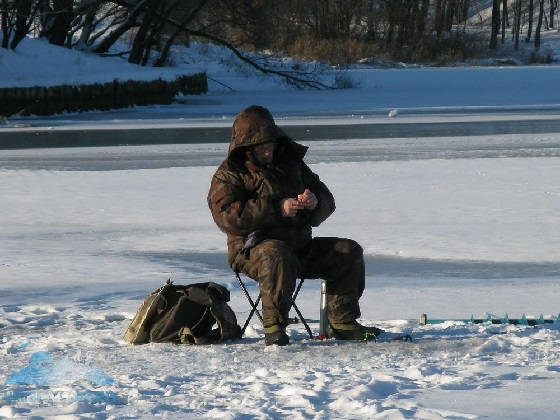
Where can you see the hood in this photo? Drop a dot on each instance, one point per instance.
(255, 125)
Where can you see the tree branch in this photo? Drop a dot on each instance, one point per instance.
(290, 77)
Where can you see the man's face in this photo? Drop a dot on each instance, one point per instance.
(264, 152)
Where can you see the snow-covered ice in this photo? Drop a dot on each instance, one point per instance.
(451, 236)
(450, 227)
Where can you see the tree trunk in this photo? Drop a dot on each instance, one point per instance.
(552, 10)
(495, 24)
(87, 27)
(517, 24)
(165, 50)
(403, 17)
(531, 13)
(539, 25)
(139, 43)
(63, 16)
(438, 25)
(23, 20)
(465, 11)
(421, 19)
(450, 14)
(4, 23)
(107, 42)
(391, 22)
(504, 19)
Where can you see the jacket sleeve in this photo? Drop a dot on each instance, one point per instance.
(234, 210)
(326, 204)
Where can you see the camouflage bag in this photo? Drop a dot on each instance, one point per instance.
(184, 314)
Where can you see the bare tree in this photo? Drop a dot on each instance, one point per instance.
(184, 22)
(530, 17)
(539, 25)
(16, 18)
(438, 19)
(145, 34)
(495, 24)
(132, 13)
(517, 23)
(85, 22)
(552, 10)
(504, 19)
(403, 29)
(422, 15)
(25, 16)
(6, 22)
(57, 19)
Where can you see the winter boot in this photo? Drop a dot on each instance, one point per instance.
(352, 331)
(276, 334)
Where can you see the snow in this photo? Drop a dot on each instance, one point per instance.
(377, 91)
(20, 67)
(447, 236)
(451, 226)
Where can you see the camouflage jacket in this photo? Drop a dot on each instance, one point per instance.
(245, 196)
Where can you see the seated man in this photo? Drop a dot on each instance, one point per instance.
(264, 189)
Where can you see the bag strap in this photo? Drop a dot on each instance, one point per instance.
(193, 335)
(226, 320)
(205, 293)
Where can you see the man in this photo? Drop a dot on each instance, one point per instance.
(266, 199)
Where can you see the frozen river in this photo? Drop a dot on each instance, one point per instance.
(451, 226)
(122, 128)
(346, 150)
(439, 209)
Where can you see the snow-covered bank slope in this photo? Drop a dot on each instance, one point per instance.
(374, 90)
(35, 62)
(426, 90)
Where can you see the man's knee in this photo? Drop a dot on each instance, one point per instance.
(349, 247)
(272, 252)
(277, 267)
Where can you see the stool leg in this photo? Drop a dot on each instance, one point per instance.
(300, 316)
(303, 320)
(254, 308)
(251, 316)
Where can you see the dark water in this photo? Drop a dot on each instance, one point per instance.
(189, 135)
(184, 147)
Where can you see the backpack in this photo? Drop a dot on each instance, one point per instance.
(184, 314)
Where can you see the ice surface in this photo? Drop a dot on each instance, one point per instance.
(446, 236)
(450, 227)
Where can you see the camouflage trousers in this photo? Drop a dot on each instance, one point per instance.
(275, 266)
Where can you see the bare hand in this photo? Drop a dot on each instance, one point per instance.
(308, 199)
(290, 207)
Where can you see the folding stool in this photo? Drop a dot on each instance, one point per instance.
(254, 305)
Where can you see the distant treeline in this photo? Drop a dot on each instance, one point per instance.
(340, 31)
(40, 100)
(344, 31)
(337, 30)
